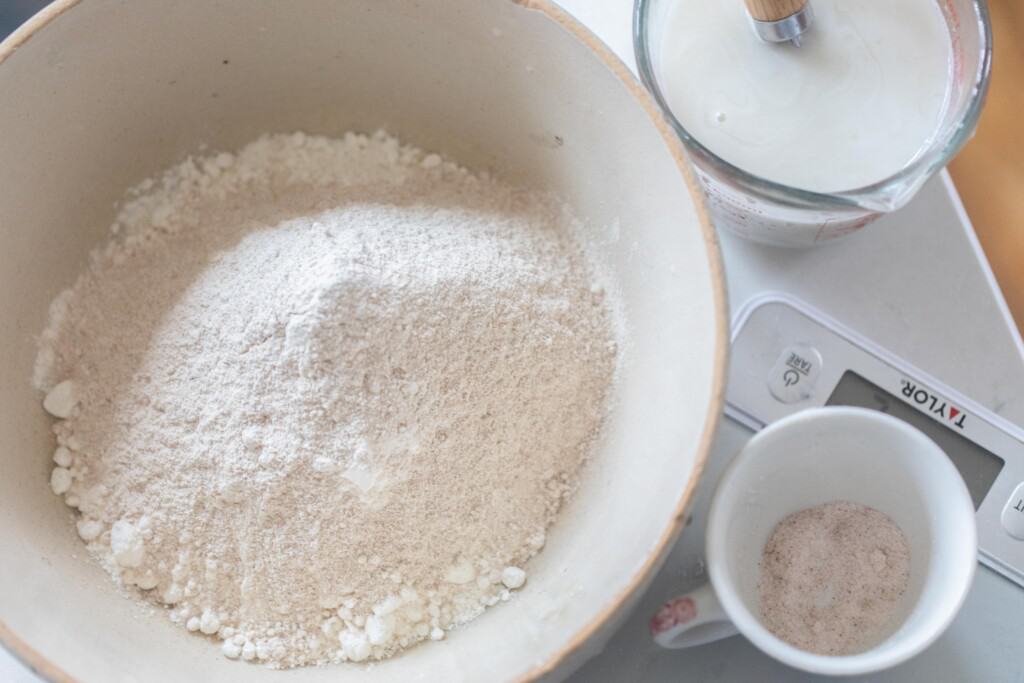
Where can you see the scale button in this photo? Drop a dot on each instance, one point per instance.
(1013, 513)
(796, 371)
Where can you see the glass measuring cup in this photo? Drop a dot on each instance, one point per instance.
(770, 212)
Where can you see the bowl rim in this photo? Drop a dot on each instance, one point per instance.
(49, 670)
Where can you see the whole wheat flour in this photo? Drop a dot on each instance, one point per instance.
(323, 398)
(832, 577)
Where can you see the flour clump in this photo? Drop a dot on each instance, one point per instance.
(323, 398)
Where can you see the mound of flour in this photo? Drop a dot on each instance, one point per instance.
(323, 398)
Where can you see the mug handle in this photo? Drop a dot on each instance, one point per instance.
(692, 619)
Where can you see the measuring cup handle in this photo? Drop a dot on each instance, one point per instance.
(692, 619)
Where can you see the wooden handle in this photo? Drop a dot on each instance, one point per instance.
(771, 10)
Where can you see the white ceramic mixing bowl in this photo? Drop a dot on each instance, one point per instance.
(97, 94)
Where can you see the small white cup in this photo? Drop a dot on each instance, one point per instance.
(818, 456)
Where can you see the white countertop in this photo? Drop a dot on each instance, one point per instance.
(919, 283)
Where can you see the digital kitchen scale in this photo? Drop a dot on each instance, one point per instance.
(787, 357)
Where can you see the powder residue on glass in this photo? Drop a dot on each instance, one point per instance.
(832, 577)
(322, 398)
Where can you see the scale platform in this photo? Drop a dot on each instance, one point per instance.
(964, 346)
(787, 357)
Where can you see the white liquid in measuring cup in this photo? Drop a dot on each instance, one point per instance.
(858, 101)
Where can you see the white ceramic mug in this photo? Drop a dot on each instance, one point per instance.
(818, 456)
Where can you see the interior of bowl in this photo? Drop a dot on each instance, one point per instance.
(99, 95)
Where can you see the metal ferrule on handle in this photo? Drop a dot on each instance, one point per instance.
(779, 21)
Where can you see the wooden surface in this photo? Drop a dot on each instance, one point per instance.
(989, 172)
(771, 10)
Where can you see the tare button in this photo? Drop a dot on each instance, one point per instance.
(1013, 513)
(795, 373)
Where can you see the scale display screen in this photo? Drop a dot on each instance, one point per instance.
(977, 466)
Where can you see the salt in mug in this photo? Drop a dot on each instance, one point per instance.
(819, 456)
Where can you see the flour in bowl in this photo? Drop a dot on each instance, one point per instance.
(324, 398)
